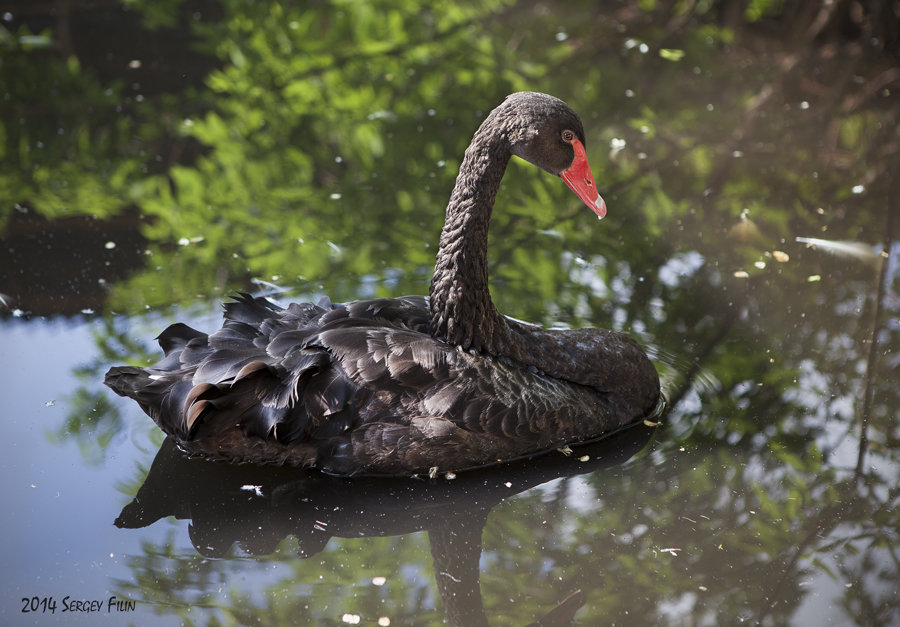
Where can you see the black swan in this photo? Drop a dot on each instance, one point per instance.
(409, 385)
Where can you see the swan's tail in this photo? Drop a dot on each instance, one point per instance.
(127, 380)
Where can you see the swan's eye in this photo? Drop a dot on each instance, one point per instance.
(568, 136)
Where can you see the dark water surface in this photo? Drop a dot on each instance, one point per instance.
(159, 156)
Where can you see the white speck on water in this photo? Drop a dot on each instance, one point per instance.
(87, 311)
(508, 484)
(737, 154)
(760, 264)
(134, 64)
(351, 619)
(562, 36)
(339, 159)
(335, 196)
(629, 93)
(710, 107)
(379, 581)
(383, 621)
(858, 189)
(17, 313)
(109, 245)
(382, 115)
(644, 48)
(188, 122)
(50, 403)
(256, 489)
(184, 241)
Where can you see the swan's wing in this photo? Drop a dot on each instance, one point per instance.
(286, 374)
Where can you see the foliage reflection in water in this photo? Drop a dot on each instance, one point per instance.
(314, 149)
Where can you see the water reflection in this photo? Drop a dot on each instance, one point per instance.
(258, 507)
(313, 146)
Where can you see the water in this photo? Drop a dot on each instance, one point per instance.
(197, 150)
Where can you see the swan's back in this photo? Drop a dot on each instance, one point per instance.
(362, 388)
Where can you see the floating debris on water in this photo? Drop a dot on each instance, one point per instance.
(841, 248)
(780, 256)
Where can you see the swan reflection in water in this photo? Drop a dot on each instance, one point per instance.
(257, 507)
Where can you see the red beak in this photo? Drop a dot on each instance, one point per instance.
(580, 180)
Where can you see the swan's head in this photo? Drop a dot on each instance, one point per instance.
(544, 130)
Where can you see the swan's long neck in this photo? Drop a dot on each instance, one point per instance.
(462, 312)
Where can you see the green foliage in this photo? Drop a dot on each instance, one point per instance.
(56, 144)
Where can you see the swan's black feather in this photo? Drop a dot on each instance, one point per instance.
(176, 337)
